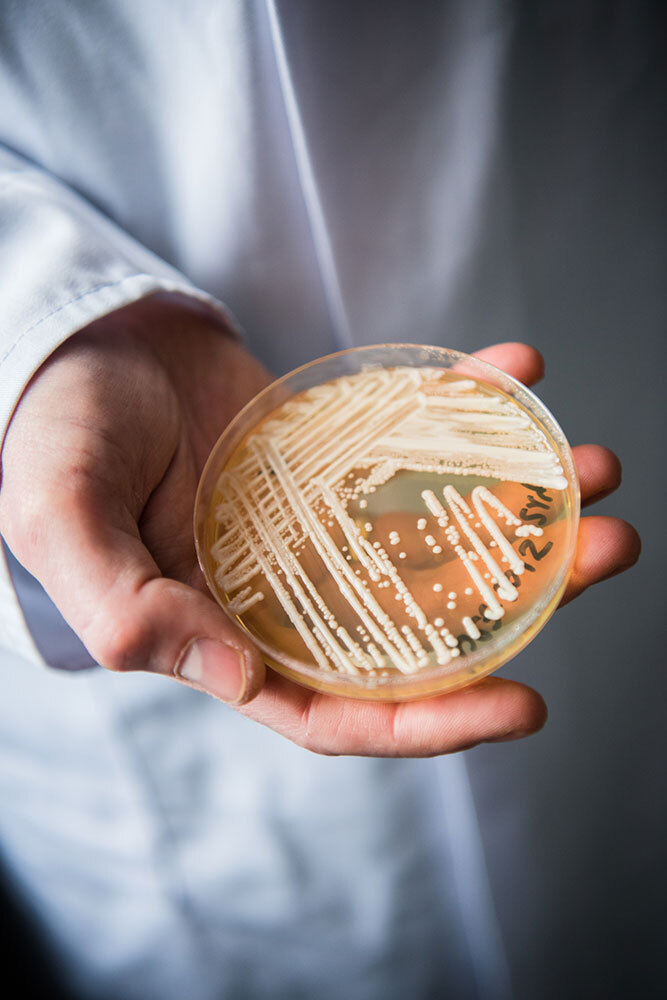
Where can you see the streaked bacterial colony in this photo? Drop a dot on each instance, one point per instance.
(390, 521)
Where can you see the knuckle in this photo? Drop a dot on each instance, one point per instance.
(315, 746)
(120, 644)
(310, 735)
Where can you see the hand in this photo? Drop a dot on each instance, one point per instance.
(100, 467)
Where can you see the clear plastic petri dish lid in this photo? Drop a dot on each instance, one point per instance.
(389, 522)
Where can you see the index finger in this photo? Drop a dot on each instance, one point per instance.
(493, 709)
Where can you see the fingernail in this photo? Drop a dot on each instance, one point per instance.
(215, 667)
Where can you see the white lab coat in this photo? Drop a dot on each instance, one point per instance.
(334, 176)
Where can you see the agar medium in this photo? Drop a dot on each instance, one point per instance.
(389, 522)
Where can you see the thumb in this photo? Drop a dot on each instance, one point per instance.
(84, 547)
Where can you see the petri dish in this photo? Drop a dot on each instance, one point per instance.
(389, 522)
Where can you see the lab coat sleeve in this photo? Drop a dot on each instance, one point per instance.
(63, 264)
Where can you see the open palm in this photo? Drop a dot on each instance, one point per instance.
(100, 468)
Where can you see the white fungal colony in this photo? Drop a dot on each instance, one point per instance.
(297, 512)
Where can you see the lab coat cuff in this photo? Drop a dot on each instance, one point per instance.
(35, 344)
